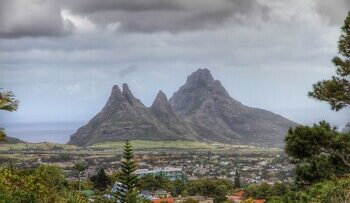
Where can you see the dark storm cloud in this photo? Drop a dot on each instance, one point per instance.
(31, 18)
(93, 6)
(168, 15)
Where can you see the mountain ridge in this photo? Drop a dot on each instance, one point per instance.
(200, 110)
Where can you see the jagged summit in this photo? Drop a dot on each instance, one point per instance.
(124, 117)
(201, 109)
(199, 78)
(204, 103)
(128, 94)
(161, 104)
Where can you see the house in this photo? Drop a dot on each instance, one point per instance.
(259, 201)
(163, 200)
(236, 197)
(162, 194)
(167, 172)
(198, 198)
(153, 195)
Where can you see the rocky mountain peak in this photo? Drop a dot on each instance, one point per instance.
(161, 104)
(161, 98)
(115, 90)
(115, 97)
(200, 78)
(127, 93)
(200, 110)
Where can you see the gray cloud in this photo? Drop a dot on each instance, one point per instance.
(34, 18)
(169, 15)
(128, 70)
(333, 11)
(31, 18)
(92, 6)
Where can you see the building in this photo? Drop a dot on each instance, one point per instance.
(167, 172)
(259, 201)
(236, 197)
(163, 200)
(158, 194)
(198, 198)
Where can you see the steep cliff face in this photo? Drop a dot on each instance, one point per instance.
(205, 104)
(200, 110)
(162, 110)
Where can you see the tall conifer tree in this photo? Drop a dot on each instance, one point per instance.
(127, 179)
(237, 180)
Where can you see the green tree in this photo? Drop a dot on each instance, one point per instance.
(217, 189)
(180, 188)
(319, 152)
(80, 167)
(237, 180)
(154, 183)
(336, 91)
(43, 184)
(126, 177)
(101, 181)
(328, 191)
(7, 103)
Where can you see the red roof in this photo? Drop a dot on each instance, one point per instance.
(259, 201)
(239, 194)
(167, 200)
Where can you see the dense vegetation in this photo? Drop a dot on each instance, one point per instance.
(43, 184)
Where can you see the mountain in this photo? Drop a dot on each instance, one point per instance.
(11, 140)
(205, 104)
(162, 110)
(125, 117)
(200, 110)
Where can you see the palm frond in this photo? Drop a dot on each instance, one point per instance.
(8, 102)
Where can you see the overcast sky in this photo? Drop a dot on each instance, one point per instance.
(61, 58)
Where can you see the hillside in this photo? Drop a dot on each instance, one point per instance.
(205, 104)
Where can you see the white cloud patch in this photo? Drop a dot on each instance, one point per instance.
(81, 24)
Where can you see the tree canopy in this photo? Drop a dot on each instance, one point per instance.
(101, 181)
(126, 177)
(319, 152)
(336, 91)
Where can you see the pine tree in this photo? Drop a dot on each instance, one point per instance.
(101, 180)
(237, 180)
(336, 91)
(129, 181)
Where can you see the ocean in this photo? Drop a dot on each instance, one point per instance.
(54, 132)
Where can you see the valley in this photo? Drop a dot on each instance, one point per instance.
(195, 159)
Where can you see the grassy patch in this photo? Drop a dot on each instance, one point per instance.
(142, 144)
